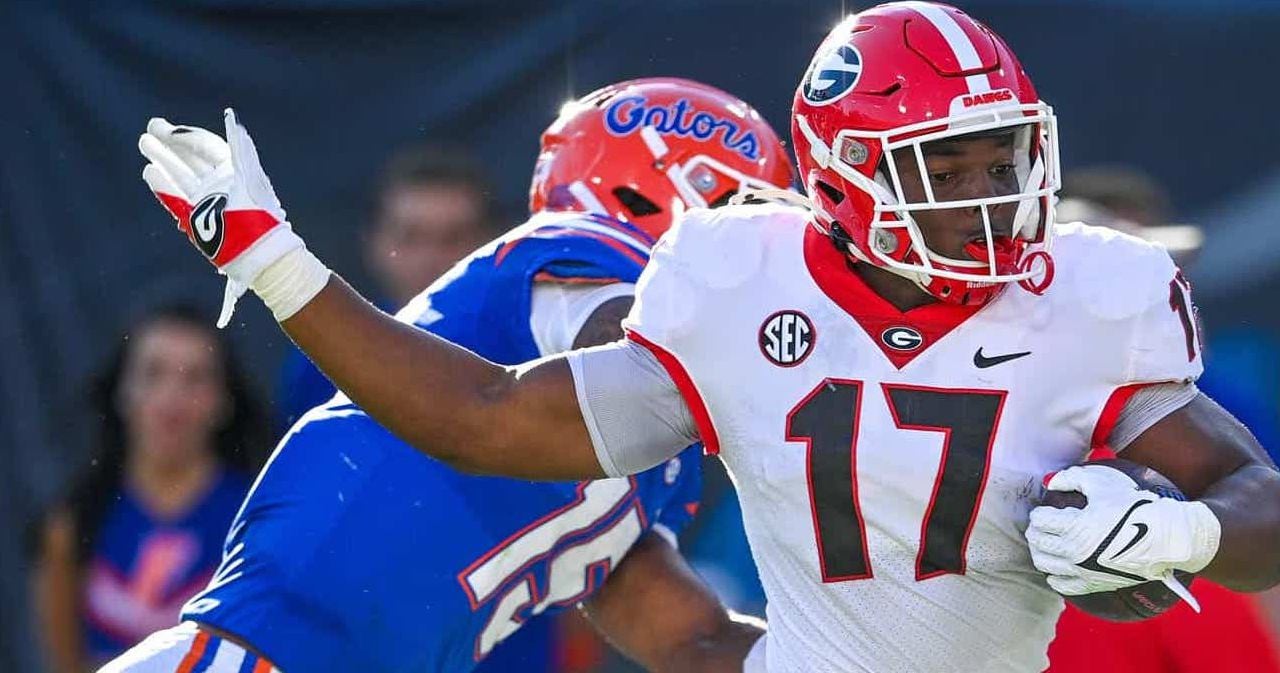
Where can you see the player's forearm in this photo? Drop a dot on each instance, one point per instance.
(689, 640)
(657, 611)
(442, 399)
(1247, 504)
(722, 651)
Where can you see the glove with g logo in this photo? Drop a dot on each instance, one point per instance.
(224, 203)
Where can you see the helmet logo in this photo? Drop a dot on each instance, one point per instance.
(628, 114)
(786, 338)
(901, 338)
(968, 101)
(832, 74)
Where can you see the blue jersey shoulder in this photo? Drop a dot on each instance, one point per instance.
(353, 545)
(483, 303)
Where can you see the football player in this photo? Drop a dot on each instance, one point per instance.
(888, 373)
(353, 552)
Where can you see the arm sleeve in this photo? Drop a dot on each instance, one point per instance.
(559, 310)
(1146, 408)
(632, 409)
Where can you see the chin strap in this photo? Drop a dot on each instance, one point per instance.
(844, 243)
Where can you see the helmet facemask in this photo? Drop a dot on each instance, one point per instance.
(895, 239)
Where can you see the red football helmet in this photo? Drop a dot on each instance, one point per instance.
(644, 150)
(899, 76)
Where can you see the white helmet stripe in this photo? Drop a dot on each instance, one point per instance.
(817, 148)
(586, 198)
(959, 42)
(657, 146)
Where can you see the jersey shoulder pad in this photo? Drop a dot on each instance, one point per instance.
(728, 240)
(576, 247)
(1134, 287)
(1113, 275)
(706, 253)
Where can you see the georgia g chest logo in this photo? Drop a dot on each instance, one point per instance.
(902, 339)
(786, 338)
(208, 225)
(832, 74)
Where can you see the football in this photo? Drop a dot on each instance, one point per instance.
(1141, 601)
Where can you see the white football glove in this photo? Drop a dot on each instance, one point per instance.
(224, 203)
(1122, 537)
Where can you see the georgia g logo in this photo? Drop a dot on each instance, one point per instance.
(832, 74)
(902, 338)
(208, 224)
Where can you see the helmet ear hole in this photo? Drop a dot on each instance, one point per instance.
(723, 199)
(836, 196)
(635, 202)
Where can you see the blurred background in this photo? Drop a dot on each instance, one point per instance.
(1164, 107)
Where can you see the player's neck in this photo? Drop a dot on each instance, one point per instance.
(901, 292)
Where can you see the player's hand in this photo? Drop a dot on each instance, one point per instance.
(220, 196)
(1122, 537)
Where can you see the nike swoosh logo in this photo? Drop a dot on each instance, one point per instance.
(1092, 563)
(982, 362)
(1142, 532)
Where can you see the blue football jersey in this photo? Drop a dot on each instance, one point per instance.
(354, 552)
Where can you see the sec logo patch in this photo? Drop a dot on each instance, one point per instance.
(787, 337)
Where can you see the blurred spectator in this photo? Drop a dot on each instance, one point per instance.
(432, 208)
(1126, 193)
(1129, 200)
(141, 529)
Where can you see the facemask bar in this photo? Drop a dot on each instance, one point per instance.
(684, 178)
(681, 175)
(1038, 176)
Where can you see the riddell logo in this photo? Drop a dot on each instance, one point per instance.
(998, 96)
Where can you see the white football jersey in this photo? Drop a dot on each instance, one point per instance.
(886, 462)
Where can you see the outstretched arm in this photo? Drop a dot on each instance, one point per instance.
(656, 610)
(443, 399)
